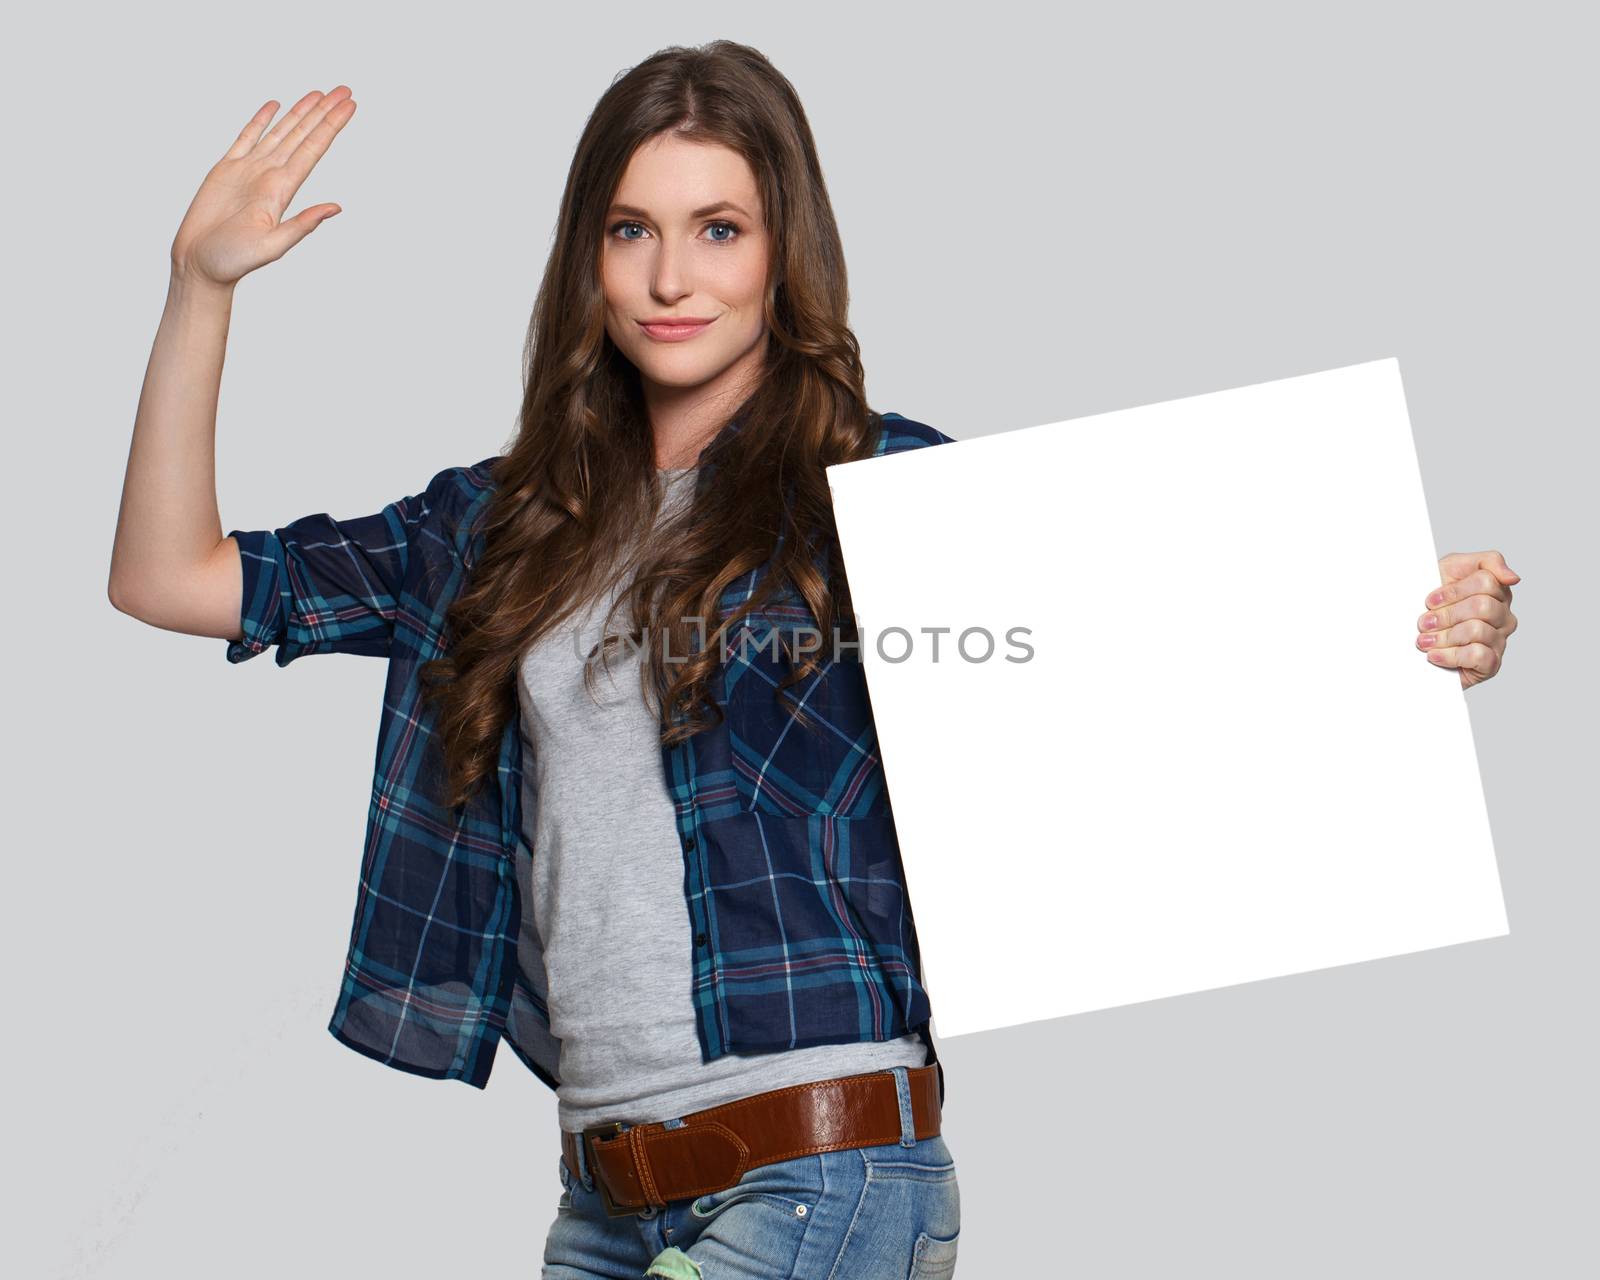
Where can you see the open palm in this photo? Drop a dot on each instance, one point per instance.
(234, 223)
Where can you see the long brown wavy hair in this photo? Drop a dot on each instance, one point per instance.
(578, 483)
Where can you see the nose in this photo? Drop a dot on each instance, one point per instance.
(671, 280)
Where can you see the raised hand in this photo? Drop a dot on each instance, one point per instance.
(233, 224)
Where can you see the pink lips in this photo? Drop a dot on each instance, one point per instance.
(676, 332)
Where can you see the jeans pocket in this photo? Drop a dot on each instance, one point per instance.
(928, 1160)
(934, 1257)
(792, 1186)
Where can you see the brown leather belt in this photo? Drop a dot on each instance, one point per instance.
(649, 1164)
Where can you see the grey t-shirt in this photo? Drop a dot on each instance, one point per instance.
(605, 892)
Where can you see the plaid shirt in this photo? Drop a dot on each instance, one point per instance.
(802, 930)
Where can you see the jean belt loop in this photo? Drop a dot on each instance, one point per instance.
(584, 1172)
(908, 1124)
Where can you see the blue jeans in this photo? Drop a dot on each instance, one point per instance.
(890, 1212)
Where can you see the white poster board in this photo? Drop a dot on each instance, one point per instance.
(1225, 758)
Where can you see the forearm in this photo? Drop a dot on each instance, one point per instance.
(168, 524)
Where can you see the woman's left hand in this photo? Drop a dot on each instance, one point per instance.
(1469, 617)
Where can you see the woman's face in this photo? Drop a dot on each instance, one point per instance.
(684, 239)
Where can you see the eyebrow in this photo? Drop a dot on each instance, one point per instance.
(705, 211)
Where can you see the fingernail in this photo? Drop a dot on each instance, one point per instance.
(1428, 641)
(1436, 598)
(1430, 622)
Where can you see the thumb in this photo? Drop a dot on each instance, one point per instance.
(1496, 564)
(1458, 564)
(293, 230)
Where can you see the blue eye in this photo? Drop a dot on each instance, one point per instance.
(617, 228)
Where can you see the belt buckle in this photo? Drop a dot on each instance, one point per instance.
(611, 1129)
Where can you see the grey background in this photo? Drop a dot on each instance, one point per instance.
(1047, 214)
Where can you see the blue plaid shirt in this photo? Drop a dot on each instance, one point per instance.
(802, 930)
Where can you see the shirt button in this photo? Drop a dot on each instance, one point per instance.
(688, 844)
(699, 939)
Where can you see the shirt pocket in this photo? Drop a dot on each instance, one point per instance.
(813, 747)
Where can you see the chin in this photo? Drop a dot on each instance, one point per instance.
(669, 373)
(673, 377)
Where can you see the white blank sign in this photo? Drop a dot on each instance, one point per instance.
(1221, 756)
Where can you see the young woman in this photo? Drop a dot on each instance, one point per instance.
(628, 812)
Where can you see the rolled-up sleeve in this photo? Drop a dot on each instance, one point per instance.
(320, 585)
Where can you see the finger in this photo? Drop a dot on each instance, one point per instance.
(1479, 659)
(1477, 630)
(315, 144)
(1502, 570)
(252, 130)
(308, 122)
(273, 138)
(1481, 583)
(1458, 564)
(1478, 606)
(293, 230)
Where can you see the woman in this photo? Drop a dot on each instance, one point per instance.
(725, 990)
(670, 883)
